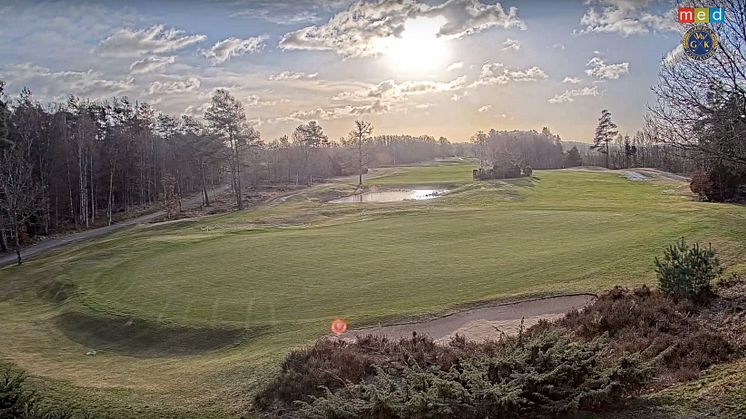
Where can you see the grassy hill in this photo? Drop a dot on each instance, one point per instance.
(256, 283)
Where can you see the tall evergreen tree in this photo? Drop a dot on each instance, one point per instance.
(227, 119)
(605, 133)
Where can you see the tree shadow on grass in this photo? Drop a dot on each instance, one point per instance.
(142, 338)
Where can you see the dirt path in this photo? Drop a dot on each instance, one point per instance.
(47, 245)
(486, 322)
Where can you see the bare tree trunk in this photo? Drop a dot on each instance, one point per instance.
(93, 192)
(237, 180)
(111, 191)
(607, 154)
(3, 238)
(204, 184)
(16, 229)
(70, 194)
(360, 162)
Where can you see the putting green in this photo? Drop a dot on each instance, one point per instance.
(563, 231)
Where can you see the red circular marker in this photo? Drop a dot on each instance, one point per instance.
(339, 326)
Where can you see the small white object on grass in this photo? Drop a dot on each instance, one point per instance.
(91, 353)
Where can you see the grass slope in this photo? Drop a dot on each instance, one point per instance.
(283, 271)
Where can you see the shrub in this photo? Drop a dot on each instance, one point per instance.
(572, 158)
(17, 401)
(652, 324)
(545, 374)
(718, 183)
(687, 271)
(702, 186)
(528, 171)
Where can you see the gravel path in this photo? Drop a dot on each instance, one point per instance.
(47, 245)
(486, 322)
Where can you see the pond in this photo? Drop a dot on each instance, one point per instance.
(392, 196)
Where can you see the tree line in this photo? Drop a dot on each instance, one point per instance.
(697, 122)
(83, 163)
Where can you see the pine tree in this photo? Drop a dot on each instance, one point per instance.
(226, 119)
(572, 158)
(605, 133)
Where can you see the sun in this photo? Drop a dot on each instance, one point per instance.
(419, 49)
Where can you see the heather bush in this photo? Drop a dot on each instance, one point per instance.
(663, 331)
(545, 375)
(17, 401)
(687, 271)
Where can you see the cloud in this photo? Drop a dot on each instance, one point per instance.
(571, 80)
(151, 64)
(59, 84)
(329, 113)
(466, 17)
(455, 66)
(233, 47)
(675, 55)
(127, 42)
(254, 101)
(360, 30)
(292, 75)
(459, 95)
(485, 108)
(284, 18)
(196, 111)
(288, 13)
(497, 73)
(570, 95)
(389, 90)
(627, 17)
(557, 45)
(168, 88)
(511, 44)
(596, 67)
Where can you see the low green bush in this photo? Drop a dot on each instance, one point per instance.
(687, 271)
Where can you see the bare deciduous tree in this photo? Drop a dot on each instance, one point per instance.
(359, 136)
(309, 137)
(690, 92)
(18, 192)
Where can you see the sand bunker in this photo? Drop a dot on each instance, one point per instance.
(486, 322)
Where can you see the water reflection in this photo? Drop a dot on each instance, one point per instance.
(392, 196)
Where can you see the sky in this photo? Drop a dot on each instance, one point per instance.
(442, 67)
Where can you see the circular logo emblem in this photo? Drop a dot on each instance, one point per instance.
(700, 42)
(339, 326)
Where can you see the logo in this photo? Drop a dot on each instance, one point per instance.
(700, 42)
(339, 326)
(701, 15)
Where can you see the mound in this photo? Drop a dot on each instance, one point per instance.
(141, 338)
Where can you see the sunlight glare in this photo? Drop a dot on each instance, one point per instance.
(419, 49)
